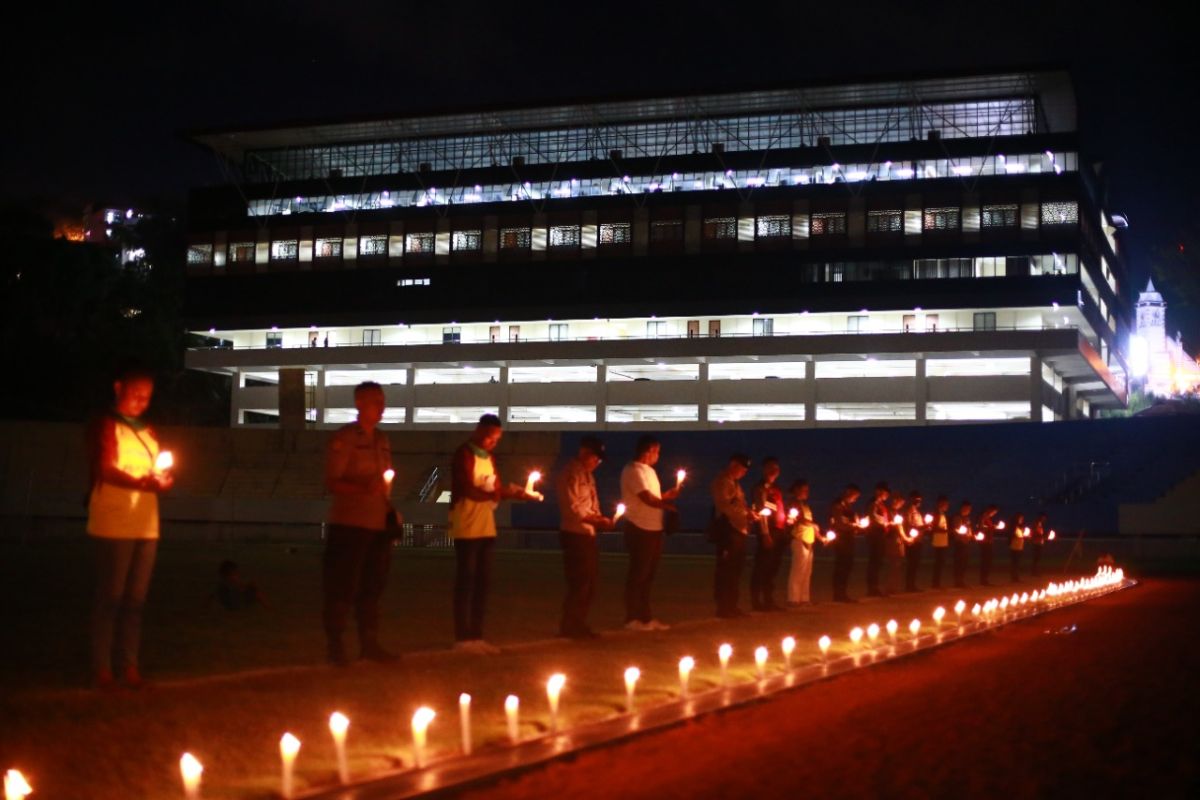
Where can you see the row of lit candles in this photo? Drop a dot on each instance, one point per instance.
(16, 787)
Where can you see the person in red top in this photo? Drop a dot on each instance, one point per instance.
(123, 522)
(771, 530)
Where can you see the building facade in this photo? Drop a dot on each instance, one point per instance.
(898, 252)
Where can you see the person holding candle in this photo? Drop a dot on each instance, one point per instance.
(985, 533)
(803, 534)
(963, 531)
(1037, 537)
(579, 509)
(645, 504)
(771, 527)
(358, 546)
(914, 544)
(844, 523)
(894, 544)
(877, 533)
(1016, 545)
(734, 519)
(123, 523)
(940, 528)
(475, 491)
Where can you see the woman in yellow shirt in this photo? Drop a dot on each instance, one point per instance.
(123, 522)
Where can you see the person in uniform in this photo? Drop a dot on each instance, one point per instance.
(876, 537)
(985, 533)
(803, 533)
(1016, 545)
(913, 545)
(962, 532)
(940, 529)
(734, 518)
(358, 547)
(580, 519)
(770, 526)
(122, 523)
(475, 491)
(645, 503)
(1039, 539)
(894, 543)
(844, 524)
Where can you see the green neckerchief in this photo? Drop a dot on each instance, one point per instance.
(479, 451)
(134, 422)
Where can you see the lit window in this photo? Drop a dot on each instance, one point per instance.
(655, 328)
(832, 224)
(856, 323)
(285, 250)
(372, 336)
(373, 246)
(515, 238)
(558, 331)
(885, 221)
(773, 226)
(241, 252)
(466, 241)
(669, 230)
(616, 233)
(764, 326)
(274, 339)
(327, 248)
(998, 216)
(564, 236)
(200, 254)
(943, 219)
(720, 228)
(419, 243)
(451, 335)
(984, 321)
(413, 282)
(1060, 213)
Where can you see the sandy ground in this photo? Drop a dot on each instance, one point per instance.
(1107, 711)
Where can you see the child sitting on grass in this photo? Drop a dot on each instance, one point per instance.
(232, 592)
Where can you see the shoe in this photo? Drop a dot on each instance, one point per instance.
(637, 625)
(657, 625)
(373, 652)
(133, 678)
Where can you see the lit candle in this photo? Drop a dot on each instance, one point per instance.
(17, 788)
(534, 477)
(723, 653)
(554, 688)
(760, 662)
(289, 747)
(765, 512)
(863, 522)
(680, 474)
(831, 536)
(979, 536)
(389, 475)
(1000, 525)
(512, 711)
(788, 646)
(339, 723)
(464, 722)
(620, 511)
(872, 633)
(686, 665)
(1050, 538)
(975, 609)
(856, 635)
(959, 607)
(896, 520)
(892, 627)
(631, 678)
(824, 642)
(928, 519)
(164, 461)
(190, 769)
(913, 533)
(793, 513)
(420, 727)
(914, 627)
(938, 614)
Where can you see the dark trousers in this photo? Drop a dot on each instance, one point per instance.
(912, 565)
(731, 554)
(354, 573)
(985, 562)
(581, 562)
(875, 542)
(843, 565)
(645, 551)
(1036, 565)
(123, 569)
(768, 557)
(939, 561)
(960, 563)
(1015, 563)
(472, 577)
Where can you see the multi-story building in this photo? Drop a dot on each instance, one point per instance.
(899, 252)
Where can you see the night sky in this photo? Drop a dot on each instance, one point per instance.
(98, 100)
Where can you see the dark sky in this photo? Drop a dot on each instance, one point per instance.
(97, 99)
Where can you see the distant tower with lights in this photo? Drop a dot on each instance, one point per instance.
(1170, 370)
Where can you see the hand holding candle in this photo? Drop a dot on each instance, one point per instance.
(679, 476)
(530, 492)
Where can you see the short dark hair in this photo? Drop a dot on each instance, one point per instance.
(644, 443)
(740, 458)
(797, 485)
(882, 487)
(852, 487)
(915, 495)
(490, 421)
(366, 386)
(133, 370)
(770, 460)
(593, 444)
(941, 498)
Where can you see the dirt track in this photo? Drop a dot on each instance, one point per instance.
(1108, 711)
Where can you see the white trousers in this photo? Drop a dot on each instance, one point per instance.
(800, 576)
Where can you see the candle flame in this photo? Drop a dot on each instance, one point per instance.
(631, 677)
(913, 533)
(15, 785)
(914, 627)
(164, 461)
(766, 512)
(338, 723)
(760, 656)
(896, 520)
(724, 652)
(1050, 538)
(686, 665)
(1000, 525)
(824, 643)
(788, 645)
(928, 518)
(872, 631)
(680, 475)
(960, 606)
(979, 536)
(389, 474)
(464, 699)
(620, 511)
(938, 613)
(422, 717)
(511, 704)
(793, 513)
(863, 522)
(289, 746)
(190, 768)
(892, 627)
(856, 635)
(555, 684)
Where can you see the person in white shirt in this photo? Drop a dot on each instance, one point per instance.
(645, 503)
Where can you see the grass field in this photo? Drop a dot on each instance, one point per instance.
(230, 683)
